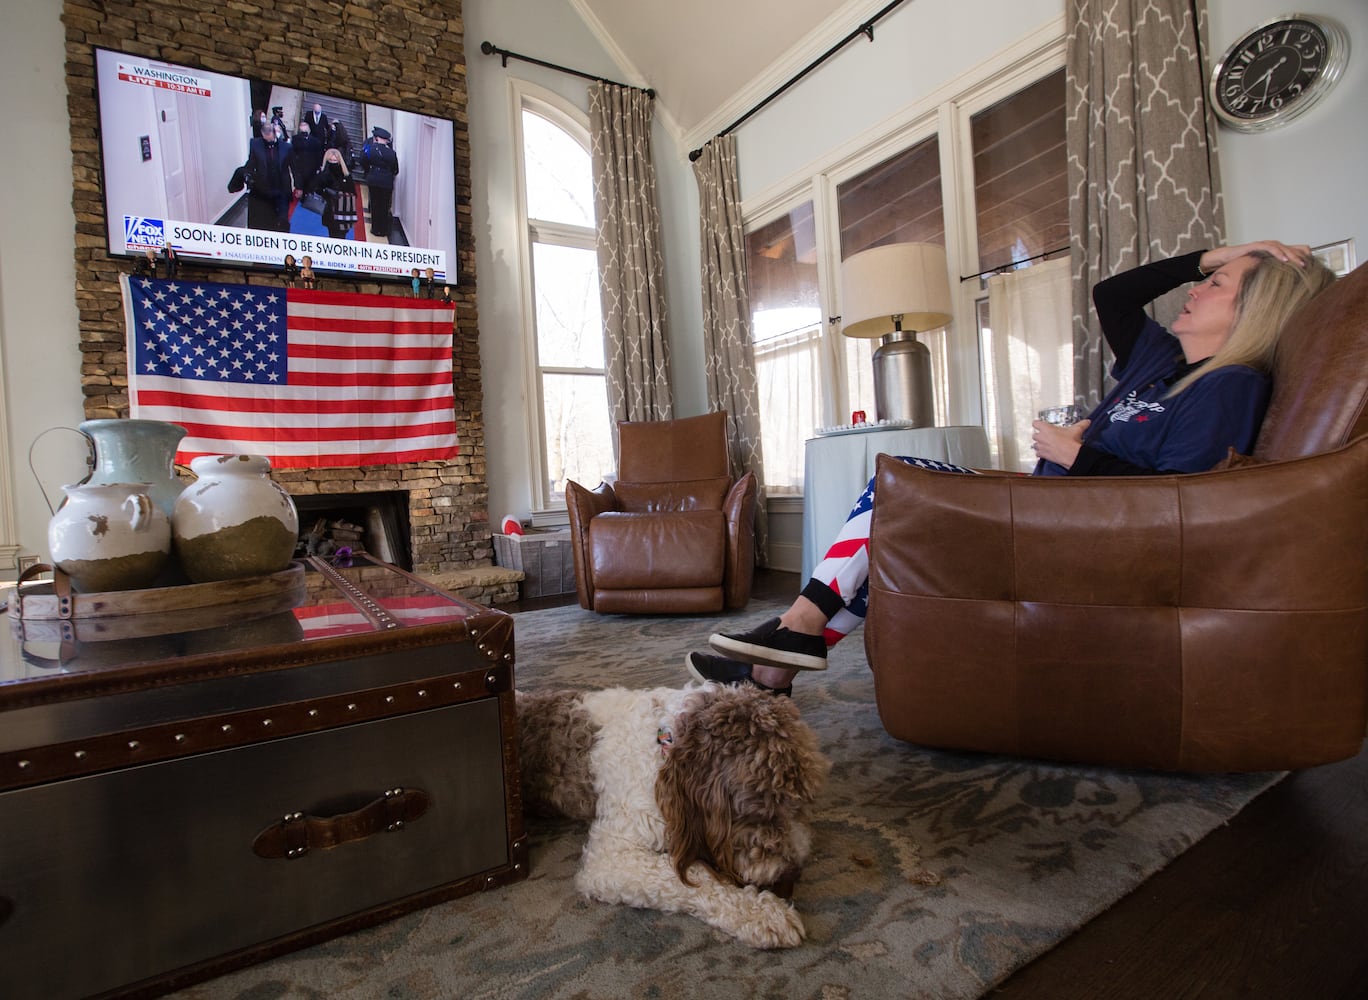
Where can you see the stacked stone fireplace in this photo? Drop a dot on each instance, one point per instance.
(412, 57)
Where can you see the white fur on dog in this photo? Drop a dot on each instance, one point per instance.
(625, 858)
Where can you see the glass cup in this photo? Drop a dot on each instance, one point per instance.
(1062, 416)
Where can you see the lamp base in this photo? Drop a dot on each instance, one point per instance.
(902, 381)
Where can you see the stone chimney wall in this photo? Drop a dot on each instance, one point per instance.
(401, 53)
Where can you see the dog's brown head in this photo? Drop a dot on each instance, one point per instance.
(735, 783)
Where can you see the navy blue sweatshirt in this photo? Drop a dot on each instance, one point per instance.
(1138, 430)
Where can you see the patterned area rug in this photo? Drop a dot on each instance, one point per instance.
(933, 874)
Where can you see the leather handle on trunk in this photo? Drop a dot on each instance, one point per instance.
(295, 834)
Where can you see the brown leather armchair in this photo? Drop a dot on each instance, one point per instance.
(674, 532)
(1210, 622)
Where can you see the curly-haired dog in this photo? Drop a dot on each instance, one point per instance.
(696, 798)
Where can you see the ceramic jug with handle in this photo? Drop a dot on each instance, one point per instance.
(109, 536)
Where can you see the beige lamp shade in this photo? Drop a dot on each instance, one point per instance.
(897, 279)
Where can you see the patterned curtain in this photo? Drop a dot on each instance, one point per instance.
(631, 268)
(1143, 174)
(729, 360)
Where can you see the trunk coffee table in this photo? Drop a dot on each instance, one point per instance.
(328, 753)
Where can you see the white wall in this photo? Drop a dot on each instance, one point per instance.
(38, 320)
(918, 48)
(1298, 182)
(1302, 182)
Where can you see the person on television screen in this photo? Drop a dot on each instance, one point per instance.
(340, 140)
(333, 181)
(270, 182)
(257, 120)
(308, 156)
(278, 120)
(381, 165)
(319, 122)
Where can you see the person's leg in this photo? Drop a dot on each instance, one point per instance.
(832, 603)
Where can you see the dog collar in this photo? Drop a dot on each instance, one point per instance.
(664, 739)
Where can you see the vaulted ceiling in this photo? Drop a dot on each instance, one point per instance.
(710, 61)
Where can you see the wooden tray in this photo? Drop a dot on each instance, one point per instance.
(127, 614)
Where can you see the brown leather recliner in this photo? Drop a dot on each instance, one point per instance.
(674, 533)
(1209, 622)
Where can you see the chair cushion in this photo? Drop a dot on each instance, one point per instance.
(629, 550)
(649, 498)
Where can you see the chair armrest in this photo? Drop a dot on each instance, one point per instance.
(739, 509)
(583, 505)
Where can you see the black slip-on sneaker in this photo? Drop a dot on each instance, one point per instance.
(720, 670)
(771, 645)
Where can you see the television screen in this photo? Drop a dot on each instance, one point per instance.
(237, 172)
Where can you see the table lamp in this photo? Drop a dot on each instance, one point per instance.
(893, 291)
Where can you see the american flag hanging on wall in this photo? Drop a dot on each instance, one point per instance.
(309, 379)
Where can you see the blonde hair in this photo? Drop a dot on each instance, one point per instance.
(1270, 292)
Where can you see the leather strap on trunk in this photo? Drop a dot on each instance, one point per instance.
(296, 834)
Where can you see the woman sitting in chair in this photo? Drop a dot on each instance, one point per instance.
(1182, 400)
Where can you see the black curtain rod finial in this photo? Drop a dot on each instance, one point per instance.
(490, 49)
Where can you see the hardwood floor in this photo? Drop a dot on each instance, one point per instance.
(1272, 906)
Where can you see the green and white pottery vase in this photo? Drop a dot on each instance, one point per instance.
(234, 521)
(136, 451)
(109, 536)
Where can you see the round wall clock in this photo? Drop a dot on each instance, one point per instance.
(1277, 71)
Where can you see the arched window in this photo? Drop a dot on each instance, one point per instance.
(572, 419)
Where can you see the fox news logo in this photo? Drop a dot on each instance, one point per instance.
(143, 234)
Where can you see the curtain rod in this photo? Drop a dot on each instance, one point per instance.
(1011, 264)
(490, 49)
(866, 29)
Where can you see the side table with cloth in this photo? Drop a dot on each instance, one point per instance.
(838, 465)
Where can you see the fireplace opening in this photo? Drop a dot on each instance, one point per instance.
(332, 524)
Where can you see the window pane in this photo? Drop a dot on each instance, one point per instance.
(560, 183)
(569, 320)
(1021, 189)
(579, 442)
(786, 328)
(897, 201)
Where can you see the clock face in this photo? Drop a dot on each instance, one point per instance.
(1277, 71)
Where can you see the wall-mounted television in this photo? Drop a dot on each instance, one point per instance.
(180, 170)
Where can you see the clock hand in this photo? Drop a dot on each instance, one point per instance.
(1266, 77)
